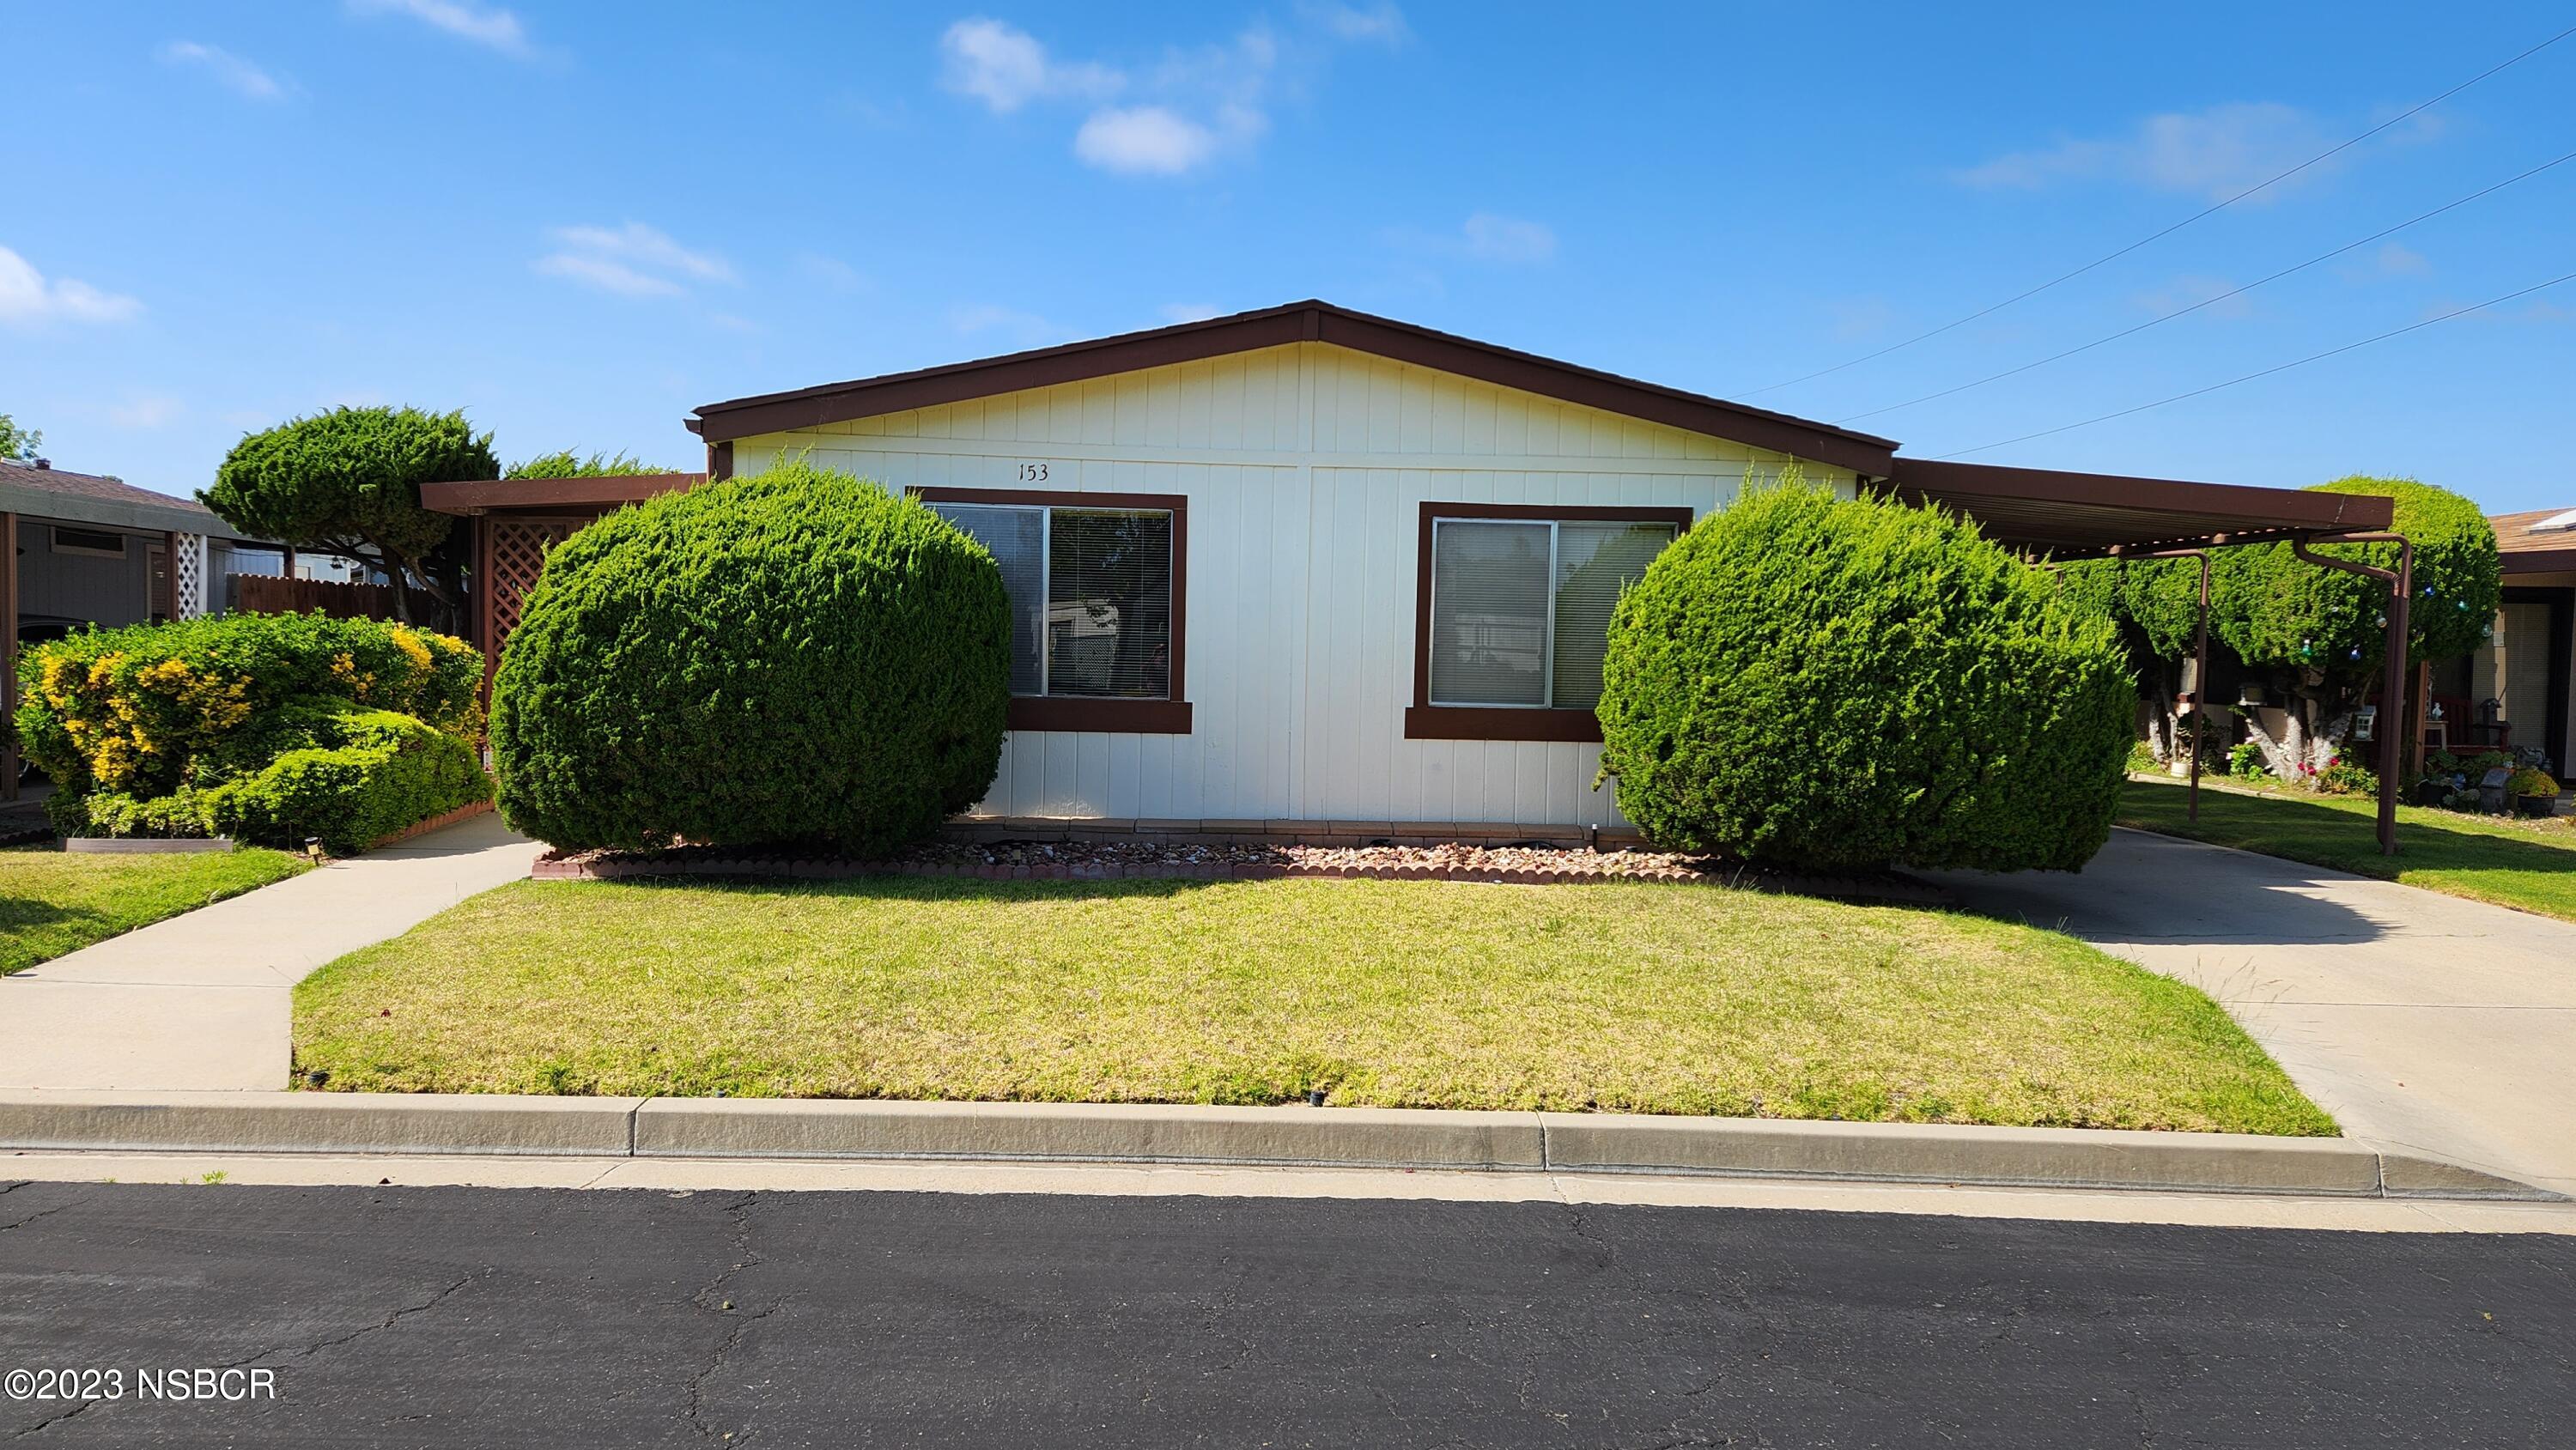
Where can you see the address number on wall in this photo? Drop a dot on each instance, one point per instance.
(1033, 473)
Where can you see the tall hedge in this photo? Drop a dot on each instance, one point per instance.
(1832, 685)
(792, 657)
(2273, 608)
(282, 727)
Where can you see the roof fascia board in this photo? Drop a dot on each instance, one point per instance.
(2280, 508)
(482, 495)
(1304, 322)
(41, 504)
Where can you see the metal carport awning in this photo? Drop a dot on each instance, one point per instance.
(2061, 517)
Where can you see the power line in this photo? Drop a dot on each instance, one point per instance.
(2177, 226)
(2213, 301)
(2267, 372)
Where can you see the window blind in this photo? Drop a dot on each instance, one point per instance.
(1109, 603)
(1489, 612)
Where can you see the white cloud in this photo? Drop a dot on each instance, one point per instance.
(636, 242)
(146, 410)
(604, 274)
(2217, 153)
(1006, 68)
(2396, 259)
(1381, 24)
(1177, 312)
(484, 25)
(28, 300)
(633, 261)
(226, 67)
(1143, 141)
(1178, 114)
(1484, 237)
(1494, 238)
(1019, 329)
(833, 274)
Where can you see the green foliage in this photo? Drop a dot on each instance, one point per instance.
(350, 479)
(2273, 608)
(2528, 781)
(180, 729)
(2245, 761)
(386, 771)
(18, 445)
(568, 464)
(795, 656)
(2347, 777)
(1833, 685)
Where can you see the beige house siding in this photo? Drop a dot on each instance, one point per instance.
(1304, 466)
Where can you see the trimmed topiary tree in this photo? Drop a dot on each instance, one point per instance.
(1835, 685)
(793, 657)
(349, 481)
(2322, 632)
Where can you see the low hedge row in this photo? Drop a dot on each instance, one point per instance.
(276, 728)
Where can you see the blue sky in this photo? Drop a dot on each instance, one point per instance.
(579, 221)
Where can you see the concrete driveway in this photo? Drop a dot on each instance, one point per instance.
(202, 1000)
(2421, 1021)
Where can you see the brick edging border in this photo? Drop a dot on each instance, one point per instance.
(440, 821)
(1904, 890)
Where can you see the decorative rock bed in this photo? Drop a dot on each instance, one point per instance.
(1150, 860)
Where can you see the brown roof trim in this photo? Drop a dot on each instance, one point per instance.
(514, 495)
(2274, 507)
(2538, 561)
(1308, 321)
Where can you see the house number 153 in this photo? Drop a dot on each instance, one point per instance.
(1033, 473)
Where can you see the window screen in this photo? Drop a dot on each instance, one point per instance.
(1520, 611)
(1091, 596)
(1593, 563)
(1489, 612)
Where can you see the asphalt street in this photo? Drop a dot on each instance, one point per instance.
(459, 1316)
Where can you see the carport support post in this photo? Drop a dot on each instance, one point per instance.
(2392, 689)
(2199, 681)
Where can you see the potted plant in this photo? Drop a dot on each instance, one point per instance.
(2534, 792)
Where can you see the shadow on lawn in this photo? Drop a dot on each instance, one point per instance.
(2147, 887)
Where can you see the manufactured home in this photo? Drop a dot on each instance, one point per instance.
(1308, 565)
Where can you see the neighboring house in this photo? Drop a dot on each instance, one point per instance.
(79, 549)
(1305, 564)
(2528, 667)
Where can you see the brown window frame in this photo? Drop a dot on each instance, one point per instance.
(1170, 716)
(1426, 721)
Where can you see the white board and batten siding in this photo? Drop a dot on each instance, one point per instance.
(1304, 466)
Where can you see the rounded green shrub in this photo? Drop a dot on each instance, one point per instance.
(1834, 685)
(2273, 608)
(792, 657)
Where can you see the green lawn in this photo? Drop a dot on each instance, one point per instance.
(1626, 997)
(2529, 864)
(52, 902)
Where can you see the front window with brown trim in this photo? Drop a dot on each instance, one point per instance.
(1512, 615)
(1096, 584)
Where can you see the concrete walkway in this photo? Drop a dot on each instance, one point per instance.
(2423, 1022)
(201, 1000)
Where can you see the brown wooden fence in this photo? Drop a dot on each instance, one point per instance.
(272, 594)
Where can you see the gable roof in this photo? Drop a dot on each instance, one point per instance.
(89, 498)
(1308, 321)
(2527, 552)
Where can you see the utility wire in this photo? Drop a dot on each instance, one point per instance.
(2177, 226)
(2267, 372)
(2213, 301)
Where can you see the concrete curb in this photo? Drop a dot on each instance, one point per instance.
(311, 1122)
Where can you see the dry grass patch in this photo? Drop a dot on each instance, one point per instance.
(1632, 998)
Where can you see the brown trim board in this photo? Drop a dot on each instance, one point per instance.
(518, 495)
(1308, 321)
(1426, 721)
(1070, 712)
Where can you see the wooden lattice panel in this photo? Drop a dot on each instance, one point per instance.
(518, 556)
(188, 568)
